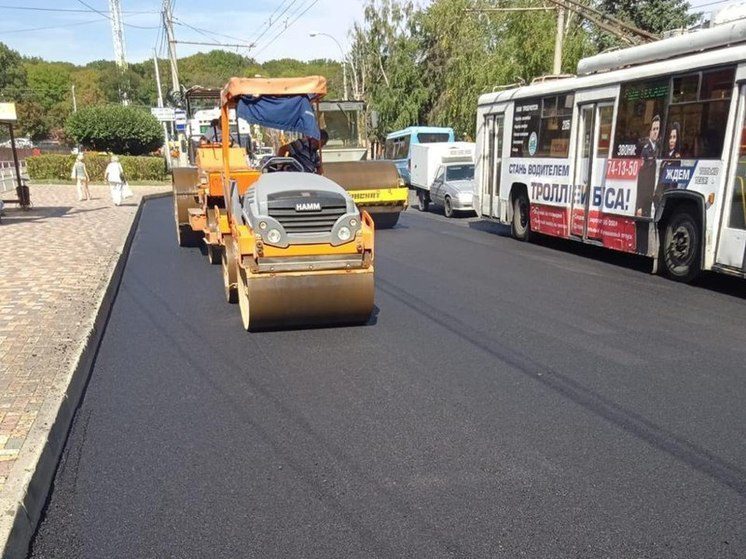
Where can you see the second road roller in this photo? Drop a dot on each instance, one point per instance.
(296, 249)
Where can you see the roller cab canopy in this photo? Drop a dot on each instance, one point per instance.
(280, 103)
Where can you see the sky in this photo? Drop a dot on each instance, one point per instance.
(81, 37)
(279, 28)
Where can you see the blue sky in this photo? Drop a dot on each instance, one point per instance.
(80, 37)
(84, 36)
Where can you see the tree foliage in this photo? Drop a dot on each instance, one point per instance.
(43, 90)
(428, 65)
(115, 128)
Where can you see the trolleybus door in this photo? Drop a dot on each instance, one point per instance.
(591, 154)
(491, 165)
(731, 250)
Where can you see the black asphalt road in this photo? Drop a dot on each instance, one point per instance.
(509, 400)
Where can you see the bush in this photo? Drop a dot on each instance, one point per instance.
(59, 167)
(115, 128)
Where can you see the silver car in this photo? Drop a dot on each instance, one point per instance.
(453, 188)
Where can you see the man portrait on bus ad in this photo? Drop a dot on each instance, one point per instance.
(650, 150)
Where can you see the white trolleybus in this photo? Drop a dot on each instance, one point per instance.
(643, 152)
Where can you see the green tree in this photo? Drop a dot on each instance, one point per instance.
(12, 75)
(386, 55)
(115, 128)
(655, 16)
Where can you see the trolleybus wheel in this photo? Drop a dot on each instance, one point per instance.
(520, 227)
(680, 245)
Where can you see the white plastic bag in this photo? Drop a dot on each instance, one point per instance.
(126, 191)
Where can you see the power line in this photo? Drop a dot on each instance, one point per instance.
(268, 23)
(70, 10)
(301, 14)
(206, 32)
(107, 16)
(272, 23)
(65, 26)
(709, 4)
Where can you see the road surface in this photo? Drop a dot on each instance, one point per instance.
(507, 400)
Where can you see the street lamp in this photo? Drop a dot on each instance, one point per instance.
(344, 59)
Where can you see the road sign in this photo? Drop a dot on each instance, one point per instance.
(163, 114)
(8, 112)
(180, 119)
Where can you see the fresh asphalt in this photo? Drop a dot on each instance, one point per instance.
(507, 400)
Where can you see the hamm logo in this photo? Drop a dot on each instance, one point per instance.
(308, 207)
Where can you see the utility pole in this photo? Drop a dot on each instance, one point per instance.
(75, 102)
(168, 23)
(559, 40)
(117, 33)
(166, 151)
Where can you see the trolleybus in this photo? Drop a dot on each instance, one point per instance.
(644, 151)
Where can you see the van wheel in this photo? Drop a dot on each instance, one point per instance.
(448, 207)
(520, 227)
(681, 246)
(424, 200)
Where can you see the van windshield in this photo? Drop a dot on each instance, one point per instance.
(433, 137)
(460, 172)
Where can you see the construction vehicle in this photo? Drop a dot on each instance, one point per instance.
(294, 247)
(374, 185)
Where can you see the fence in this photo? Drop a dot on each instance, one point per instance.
(8, 180)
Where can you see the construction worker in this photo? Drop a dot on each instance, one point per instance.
(306, 152)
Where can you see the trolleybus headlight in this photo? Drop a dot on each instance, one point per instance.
(344, 233)
(273, 236)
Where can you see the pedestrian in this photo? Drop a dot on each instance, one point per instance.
(80, 175)
(114, 175)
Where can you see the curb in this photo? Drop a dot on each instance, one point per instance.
(33, 472)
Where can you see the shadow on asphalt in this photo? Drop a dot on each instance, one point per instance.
(720, 283)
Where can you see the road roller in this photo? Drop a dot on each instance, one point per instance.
(298, 251)
(374, 185)
(199, 199)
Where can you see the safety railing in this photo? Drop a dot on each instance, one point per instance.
(8, 180)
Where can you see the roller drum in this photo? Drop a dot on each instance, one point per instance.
(318, 299)
(363, 175)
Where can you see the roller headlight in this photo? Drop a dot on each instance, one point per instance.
(344, 233)
(273, 236)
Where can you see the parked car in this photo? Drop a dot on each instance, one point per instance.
(443, 174)
(21, 143)
(453, 188)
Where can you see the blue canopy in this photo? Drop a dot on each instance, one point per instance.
(291, 113)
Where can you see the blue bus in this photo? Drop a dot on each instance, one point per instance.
(398, 144)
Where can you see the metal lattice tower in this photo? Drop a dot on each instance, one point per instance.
(117, 32)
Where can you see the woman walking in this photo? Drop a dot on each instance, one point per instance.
(80, 174)
(114, 175)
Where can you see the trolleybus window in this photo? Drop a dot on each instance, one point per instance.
(641, 109)
(541, 127)
(698, 115)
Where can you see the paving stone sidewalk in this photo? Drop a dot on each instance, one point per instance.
(55, 263)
